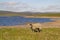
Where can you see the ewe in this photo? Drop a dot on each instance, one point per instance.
(36, 27)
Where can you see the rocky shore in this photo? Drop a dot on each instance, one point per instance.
(55, 24)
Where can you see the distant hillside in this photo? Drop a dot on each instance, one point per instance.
(9, 13)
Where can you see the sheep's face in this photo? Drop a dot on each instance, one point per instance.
(29, 25)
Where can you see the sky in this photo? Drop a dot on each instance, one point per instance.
(30, 5)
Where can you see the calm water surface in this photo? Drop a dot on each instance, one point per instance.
(17, 20)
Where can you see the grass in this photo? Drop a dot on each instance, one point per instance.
(27, 34)
(28, 14)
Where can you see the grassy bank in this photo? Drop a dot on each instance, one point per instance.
(30, 14)
(27, 34)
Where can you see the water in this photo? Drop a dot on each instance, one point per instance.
(17, 20)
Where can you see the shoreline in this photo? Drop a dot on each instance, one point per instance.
(55, 24)
(40, 17)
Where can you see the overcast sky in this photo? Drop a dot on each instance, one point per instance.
(30, 5)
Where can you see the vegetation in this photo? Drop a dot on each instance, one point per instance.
(49, 14)
(27, 34)
(16, 14)
(8, 13)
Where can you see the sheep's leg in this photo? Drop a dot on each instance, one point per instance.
(38, 29)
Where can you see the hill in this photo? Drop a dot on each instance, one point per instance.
(9, 13)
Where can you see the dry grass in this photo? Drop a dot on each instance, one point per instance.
(27, 34)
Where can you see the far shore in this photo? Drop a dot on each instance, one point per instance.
(41, 17)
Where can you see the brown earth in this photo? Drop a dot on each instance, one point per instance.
(40, 17)
(55, 24)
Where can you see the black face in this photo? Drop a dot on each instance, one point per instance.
(30, 24)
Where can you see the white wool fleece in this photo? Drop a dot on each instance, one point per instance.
(36, 25)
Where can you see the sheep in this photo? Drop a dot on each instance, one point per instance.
(36, 27)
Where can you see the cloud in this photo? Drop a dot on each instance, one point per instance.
(19, 6)
(14, 6)
(7, 3)
(51, 8)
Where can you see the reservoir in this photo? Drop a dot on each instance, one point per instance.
(18, 20)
